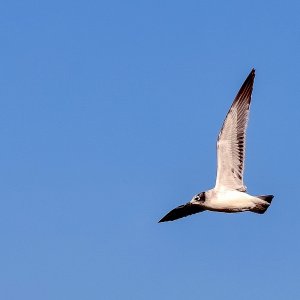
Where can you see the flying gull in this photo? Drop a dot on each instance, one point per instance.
(229, 194)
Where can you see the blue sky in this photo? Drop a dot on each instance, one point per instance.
(109, 116)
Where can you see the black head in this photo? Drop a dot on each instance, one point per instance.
(199, 198)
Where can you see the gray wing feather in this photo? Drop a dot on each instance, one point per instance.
(232, 139)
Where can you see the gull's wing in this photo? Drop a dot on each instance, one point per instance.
(232, 140)
(182, 211)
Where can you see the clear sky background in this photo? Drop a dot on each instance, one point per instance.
(109, 113)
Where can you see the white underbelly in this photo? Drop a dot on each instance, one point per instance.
(230, 201)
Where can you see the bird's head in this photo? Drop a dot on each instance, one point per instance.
(199, 198)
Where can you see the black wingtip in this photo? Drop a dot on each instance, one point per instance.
(182, 211)
(165, 218)
(251, 75)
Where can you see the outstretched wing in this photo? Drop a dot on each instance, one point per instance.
(232, 139)
(182, 211)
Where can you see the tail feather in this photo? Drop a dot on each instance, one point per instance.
(267, 198)
(261, 207)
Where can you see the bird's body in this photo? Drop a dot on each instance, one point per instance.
(230, 201)
(229, 194)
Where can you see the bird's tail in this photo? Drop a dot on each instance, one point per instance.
(262, 206)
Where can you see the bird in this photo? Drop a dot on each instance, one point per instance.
(229, 194)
